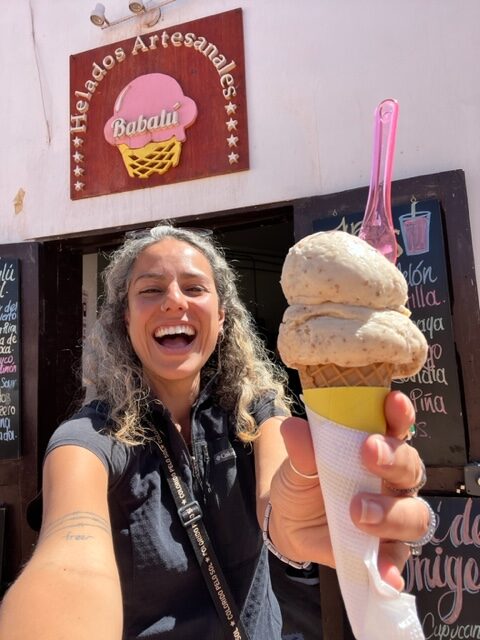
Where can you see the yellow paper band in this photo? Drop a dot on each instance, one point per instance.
(355, 407)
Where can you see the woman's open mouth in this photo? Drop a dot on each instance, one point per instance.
(175, 337)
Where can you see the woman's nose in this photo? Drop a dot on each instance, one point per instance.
(174, 298)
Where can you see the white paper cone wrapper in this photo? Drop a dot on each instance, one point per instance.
(376, 610)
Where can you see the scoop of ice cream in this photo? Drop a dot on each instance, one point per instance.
(347, 307)
(350, 336)
(336, 266)
(151, 108)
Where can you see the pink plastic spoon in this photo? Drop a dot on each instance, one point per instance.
(377, 226)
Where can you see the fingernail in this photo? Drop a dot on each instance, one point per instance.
(385, 456)
(372, 512)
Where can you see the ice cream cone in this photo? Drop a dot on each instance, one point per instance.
(331, 375)
(348, 334)
(154, 157)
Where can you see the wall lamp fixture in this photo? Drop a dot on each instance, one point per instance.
(150, 9)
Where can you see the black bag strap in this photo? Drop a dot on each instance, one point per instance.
(190, 514)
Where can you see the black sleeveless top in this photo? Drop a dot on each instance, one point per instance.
(164, 593)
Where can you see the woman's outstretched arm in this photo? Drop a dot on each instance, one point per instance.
(70, 588)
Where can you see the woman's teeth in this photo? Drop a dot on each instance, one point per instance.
(179, 336)
(171, 331)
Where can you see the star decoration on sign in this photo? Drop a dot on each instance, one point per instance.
(230, 108)
(78, 185)
(77, 156)
(77, 142)
(233, 157)
(78, 171)
(232, 141)
(232, 124)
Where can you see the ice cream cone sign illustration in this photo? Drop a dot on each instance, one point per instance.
(348, 333)
(148, 125)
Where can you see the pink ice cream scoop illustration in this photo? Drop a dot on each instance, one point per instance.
(148, 124)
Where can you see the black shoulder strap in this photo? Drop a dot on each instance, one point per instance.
(190, 515)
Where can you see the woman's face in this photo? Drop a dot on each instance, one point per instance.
(173, 315)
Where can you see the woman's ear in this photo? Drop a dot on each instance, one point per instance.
(221, 318)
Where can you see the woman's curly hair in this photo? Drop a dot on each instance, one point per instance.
(112, 366)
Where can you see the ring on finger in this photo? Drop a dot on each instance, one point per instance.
(411, 433)
(410, 491)
(416, 545)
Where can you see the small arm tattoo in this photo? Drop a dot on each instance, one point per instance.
(79, 525)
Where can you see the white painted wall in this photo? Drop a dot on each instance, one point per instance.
(315, 71)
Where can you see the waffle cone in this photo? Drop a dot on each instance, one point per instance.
(331, 375)
(154, 157)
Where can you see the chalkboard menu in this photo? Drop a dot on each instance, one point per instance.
(446, 578)
(9, 359)
(435, 390)
(2, 540)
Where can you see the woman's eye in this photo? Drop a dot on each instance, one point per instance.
(150, 290)
(195, 288)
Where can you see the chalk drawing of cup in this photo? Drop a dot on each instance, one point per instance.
(415, 229)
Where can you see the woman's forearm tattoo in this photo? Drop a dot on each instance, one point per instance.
(78, 525)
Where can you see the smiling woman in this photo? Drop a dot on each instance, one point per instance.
(175, 362)
(186, 436)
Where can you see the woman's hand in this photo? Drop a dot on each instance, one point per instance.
(298, 524)
(390, 517)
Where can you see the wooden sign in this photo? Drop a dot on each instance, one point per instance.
(445, 578)
(435, 390)
(160, 108)
(9, 359)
